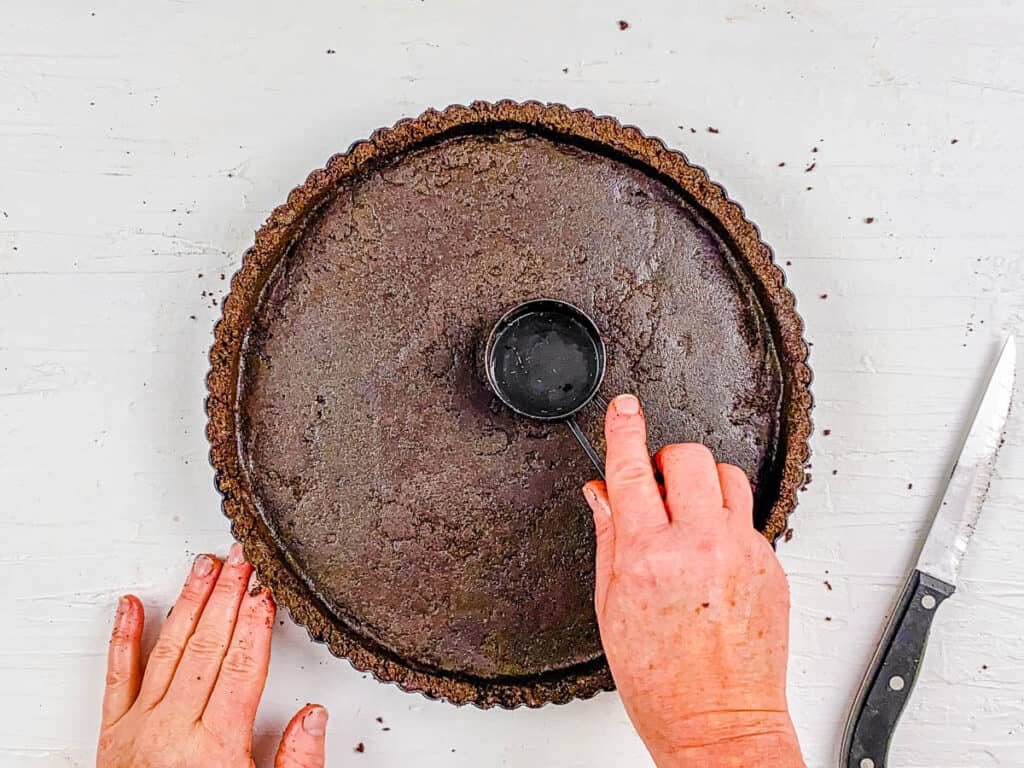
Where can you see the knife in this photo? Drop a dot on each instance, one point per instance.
(894, 669)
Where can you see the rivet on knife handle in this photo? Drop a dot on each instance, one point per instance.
(893, 673)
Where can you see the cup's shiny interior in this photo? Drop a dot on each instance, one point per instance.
(545, 359)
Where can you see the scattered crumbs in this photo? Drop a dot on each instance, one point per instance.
(705, 605)
(712, 130)
(789, 263)
(385, 728)
(814, 149)
(221, 275)
(910, 486)
(360, 747)
(810, 168)
(835, 471)
(329, 52)
(623, 25)
(828, 586)
(693, 130)
(191, 317)
(823, 296)
(828, 618)
(826, 432)
(983, 666)
(204, 294)
(281, 623)
(565, 70)
(954, 141)
(380, 719)
(782, 165)
(869, 219)
(826, 571)
(809, 189)
(200, 275)
(788, 535)
(4, 213)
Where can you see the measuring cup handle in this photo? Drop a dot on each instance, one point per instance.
(587, 446)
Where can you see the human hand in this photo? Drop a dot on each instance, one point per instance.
(692, 604)
(194, 705)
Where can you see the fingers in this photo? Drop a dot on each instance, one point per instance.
(692, 491)
(124, 670)
(166, 654)
(596, 494)
(196, 674)
(737, 495)
(302, 745)
(635, 501)
(236, 694)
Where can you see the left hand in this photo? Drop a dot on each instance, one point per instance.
(195, 704)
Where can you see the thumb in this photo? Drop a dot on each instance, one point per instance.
(302, 745)
(596, 493)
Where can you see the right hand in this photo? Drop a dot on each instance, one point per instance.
(692, 604)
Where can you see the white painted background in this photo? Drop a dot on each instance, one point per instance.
(142, 143)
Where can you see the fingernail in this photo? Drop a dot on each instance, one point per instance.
(627, 405)
(315, 722)
(255, 585)
(203, 566)
(236, 556)
(123, 606)
(591, 497)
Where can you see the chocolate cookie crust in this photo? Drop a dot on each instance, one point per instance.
(403, 515)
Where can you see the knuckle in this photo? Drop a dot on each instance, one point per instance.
(116, 678)
(240, 662)
(686, 452)
(166, 651)
(630, 472)
(205, 645)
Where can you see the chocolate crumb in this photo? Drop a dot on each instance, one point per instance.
(221, 275)
(828, 586)
(814, 149)
(200, 275)
(623, 25)
(712, 130)
(954, 141)
(705, 605)
(869, 220)
(828, 618)
(788, 535)
(835, 471)
(826, 432)
(360, 747)
(789, 263)
(984, 666)
(385, 728)
(379, 719)
(809, 189)
(693, 130)
(565, 70)
(809, 168)
(823, 296)
(782, 165)
(192, 317)
(910, 486)
(330, 51)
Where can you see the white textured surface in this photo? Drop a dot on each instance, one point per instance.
(144, 144)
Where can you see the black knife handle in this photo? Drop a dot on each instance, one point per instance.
(893, 672)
